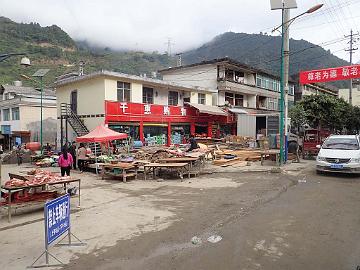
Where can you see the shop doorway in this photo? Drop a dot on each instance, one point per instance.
(261, 125)
(201, 130)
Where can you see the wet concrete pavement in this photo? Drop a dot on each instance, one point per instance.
(313, 225)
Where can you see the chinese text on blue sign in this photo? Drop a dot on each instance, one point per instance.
(57, 217)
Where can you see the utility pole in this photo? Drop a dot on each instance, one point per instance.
(169, 44)
(286, 22)
(351, 51)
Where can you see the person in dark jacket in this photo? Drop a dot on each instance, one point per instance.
(72, 151)
(193, 143)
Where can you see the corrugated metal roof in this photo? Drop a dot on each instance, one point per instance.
(208, 109)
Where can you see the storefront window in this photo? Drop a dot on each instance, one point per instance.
(148, 95)
(132, 131)
(155, 135)
(173, 98)
(179, 133)
(123, 91)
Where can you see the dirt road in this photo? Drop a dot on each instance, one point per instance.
(314, 225)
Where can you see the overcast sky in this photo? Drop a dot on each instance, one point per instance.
(146, 25)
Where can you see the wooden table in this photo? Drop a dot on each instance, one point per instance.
(189, 160)
(270, 152)
(127, 170)
(11, 190)
(179, 167)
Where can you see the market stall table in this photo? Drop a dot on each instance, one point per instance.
(11, 190)
(123, 170)
(179, 167)
(270, 152)
(189, 160)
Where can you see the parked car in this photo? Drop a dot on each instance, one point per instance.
(339, 153)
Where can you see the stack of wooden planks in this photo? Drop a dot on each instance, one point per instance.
(241, 157)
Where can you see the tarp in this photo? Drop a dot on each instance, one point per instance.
(101, 134)
(238, 111)
(208, 109)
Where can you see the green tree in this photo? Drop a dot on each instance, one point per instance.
(297, 115)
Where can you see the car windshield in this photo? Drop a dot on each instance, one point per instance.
(341, 143)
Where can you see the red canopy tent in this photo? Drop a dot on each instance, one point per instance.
(101, 134)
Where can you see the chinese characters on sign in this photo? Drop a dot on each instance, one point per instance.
(151, 109)
(330, 74)
(57, 217)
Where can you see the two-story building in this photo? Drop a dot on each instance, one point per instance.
(250, 93)
(355, 94)
(20, 114)
(151, 110)
(302, 90)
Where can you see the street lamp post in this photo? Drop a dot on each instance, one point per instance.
(39, 74)
(284, 84)
(23, 62)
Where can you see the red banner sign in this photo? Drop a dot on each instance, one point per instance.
(330, 74)
(127, 111)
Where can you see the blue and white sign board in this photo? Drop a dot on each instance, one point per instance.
(57, 218)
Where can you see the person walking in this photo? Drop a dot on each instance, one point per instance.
(72, 151)
(81, 155)
(65, 162)
(19, 154)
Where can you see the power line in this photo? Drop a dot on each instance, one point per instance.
(271, 60)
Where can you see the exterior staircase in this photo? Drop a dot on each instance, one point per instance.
(77, 125)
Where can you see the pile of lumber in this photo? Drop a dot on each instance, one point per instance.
(239, 157)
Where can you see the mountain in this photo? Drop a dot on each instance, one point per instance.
(51, 47)
(263, 51)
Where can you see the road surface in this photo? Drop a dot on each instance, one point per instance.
(315, 224)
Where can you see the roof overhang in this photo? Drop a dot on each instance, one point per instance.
(208, 109)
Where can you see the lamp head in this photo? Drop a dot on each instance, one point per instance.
(25, 62)
(314, 8)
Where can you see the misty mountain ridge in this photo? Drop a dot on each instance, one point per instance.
(51, 47)
(263, 51)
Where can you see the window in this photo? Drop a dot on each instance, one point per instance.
(123, 91)
(201, 99)
(187, 99)
(15, 113)
(272, 104)
(173, 98)
(291, 90)
(258, 81)
(8, 96)
(6, 113)
(148, 95)
(229, 98)
(239, 100)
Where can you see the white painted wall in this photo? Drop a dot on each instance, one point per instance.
(203, 75)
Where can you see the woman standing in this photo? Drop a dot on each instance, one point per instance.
(65, 162)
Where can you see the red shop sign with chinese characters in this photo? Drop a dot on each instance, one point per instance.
(330, 74)
(128, 112)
